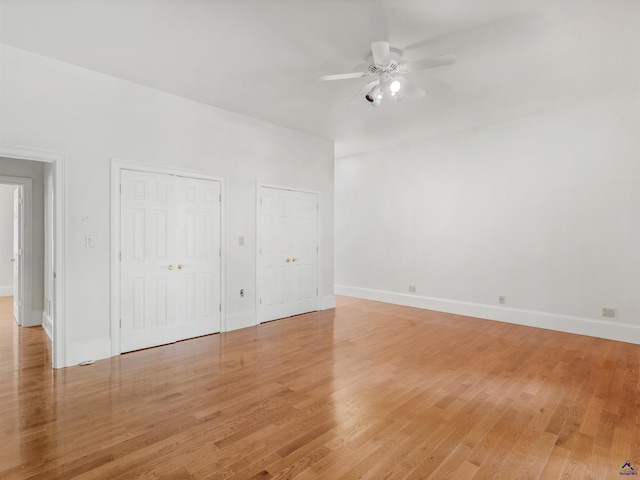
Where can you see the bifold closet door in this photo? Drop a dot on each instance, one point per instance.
(170, 258)
(288, 253)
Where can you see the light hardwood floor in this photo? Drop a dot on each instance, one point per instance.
(366, 391)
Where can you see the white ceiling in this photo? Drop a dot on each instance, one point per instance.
(262, 58)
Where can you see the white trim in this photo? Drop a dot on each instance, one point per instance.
(282, 186)
(6, 291)
(117, 165)
(57, 160)
(259, 185)
(27, 153)
(25, 185)
(622, 332)
(35, 320)
(327, 302)
(47, 324)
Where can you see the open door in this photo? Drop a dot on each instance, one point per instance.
(18, 249)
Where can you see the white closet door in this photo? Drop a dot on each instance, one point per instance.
(304, 264)
(148, 249)
(198, 255)
(170, 261)
(274, 250)
(288, 269)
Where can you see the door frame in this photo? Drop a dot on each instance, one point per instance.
(259, 233)
(57, 162)
(117, 165)
(25, 270)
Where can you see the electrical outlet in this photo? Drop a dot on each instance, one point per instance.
(501, 299)
(608, 312)
(412, 289)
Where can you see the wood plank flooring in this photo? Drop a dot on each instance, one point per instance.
(365, 391)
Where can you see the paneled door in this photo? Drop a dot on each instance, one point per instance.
(287, 253)
(198, 253)
(170, 258)
(17, 260)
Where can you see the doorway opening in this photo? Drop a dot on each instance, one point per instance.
(39, 178)
(16, 247)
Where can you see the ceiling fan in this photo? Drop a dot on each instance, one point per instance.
(389, 68)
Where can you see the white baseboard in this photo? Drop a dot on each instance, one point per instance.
(93, 349)
(564, 323)
(240, 320)
(6, 291)
(33, 320)
(47, 324)
(327, 302)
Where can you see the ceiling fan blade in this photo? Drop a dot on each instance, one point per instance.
(360, 95)
(427, 63)
(435, 88)
(380, 51)
(344, 76)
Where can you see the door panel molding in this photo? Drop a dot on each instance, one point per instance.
(117, 165)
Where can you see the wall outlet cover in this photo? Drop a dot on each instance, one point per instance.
(608, 312)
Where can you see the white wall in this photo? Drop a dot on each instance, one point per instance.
(93, 117)
(35, 170)
(544, 210)
(6, 239)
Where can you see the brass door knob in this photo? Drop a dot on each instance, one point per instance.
(170, 267)
(288, 259)
(180, 266)
(293, 259)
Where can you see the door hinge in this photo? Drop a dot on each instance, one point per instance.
(260, 200)
(120, 256)
(120, 323)
(220, 307)
(19, 201)
(19, 303)
(220, 196)
(261, 301)
(120, 188)
(220, 252)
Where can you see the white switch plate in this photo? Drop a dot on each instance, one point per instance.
(89, 241)
(240, 240)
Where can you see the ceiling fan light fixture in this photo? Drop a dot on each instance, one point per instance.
(395, 86)
(374, 96)
(389, 68)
